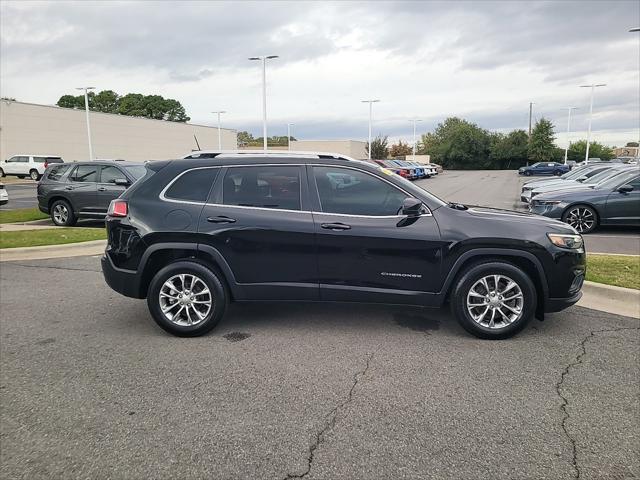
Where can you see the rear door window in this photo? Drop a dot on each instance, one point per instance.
(110, 174)
(192, 186)
(56, 172)
(85, 173)
(263, 186)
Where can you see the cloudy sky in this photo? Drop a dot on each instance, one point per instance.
(484, 61)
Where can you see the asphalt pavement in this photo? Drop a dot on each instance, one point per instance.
(21, 195)
(90, 387)
(501, 189)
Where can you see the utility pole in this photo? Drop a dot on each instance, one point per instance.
(370, 102)
(86, 109)
(414, 120)
(530, 115)
(566, 150)
(264, 59)
(289, 136)
(219, 134)
(592, 87)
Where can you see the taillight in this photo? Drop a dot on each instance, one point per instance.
(46, 164)
(118, 208)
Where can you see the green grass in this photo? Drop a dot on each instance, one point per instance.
(21, 215)
(614, 270)
(50, 236)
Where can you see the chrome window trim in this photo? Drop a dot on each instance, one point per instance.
(167, 199)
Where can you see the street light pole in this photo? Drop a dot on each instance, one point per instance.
(592, 87)
(264, 95)
(219, 133)
(566, 150)
(289, 136)
(86, 109)
(370, 102)
(414, 120)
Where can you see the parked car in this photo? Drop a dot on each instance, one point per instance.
(32, 166)
(69, 191)
(544, 168)
(574, 177)
(592, 182)
(4, 195)
(615, 201)
(192, 235)
(395, 168)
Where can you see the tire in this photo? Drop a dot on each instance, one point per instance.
(527, 173)
(2, 175)
(35, 176)
(557, 173)
(62, 214)
(503, 323)
(196, 320)
(581, 217)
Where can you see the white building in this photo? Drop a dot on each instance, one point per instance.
(352, 148)
(27, 128)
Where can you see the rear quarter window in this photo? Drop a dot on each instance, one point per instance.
(57, 171)
(192, 186)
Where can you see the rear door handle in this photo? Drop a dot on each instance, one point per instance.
(68, 187)
(335, 226)
(101, 189)
(221, 219)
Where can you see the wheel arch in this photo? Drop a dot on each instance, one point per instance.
(526, 261)
(57, 197)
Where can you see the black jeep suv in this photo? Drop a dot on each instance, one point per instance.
(195, 234)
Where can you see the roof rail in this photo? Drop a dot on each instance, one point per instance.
(272, 153)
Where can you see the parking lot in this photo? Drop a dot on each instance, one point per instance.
(92, 388)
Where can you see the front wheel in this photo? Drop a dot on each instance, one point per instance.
(35, 176)
(1, 173)
(186, 299)
(581, 217)
(493, 300)
(527, 173)
(557, 173)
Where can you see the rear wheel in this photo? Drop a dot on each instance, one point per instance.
(581, 217)
(493, 300)
(186, 299)
(20, 176)
(1, 173)
(62, 214)
(35, 176)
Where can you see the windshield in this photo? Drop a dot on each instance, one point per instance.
(136, 171)
(603, 175)
(619, 178)
(577, 173)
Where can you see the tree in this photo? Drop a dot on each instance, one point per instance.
(379, 150)
(577, 151)
(245, 138)
(509, 151)
(131, 104)
(629, 144)
(400, 149)
(458, 144)
(541, 146)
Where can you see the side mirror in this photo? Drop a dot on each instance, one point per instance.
(625, 188)
(582, 178)
(411, 207)
(121, 181)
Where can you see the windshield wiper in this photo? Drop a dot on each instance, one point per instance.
(457, 206)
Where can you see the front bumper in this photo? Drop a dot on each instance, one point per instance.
(558, 304)
(125, 282)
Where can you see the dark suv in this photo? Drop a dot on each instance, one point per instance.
(68, 191)
(193, 235)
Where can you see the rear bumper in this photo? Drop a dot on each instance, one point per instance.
(125, 282)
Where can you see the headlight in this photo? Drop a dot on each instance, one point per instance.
(573, 242)
(546, 202)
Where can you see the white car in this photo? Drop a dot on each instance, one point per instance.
(4, 196)
(26, 165)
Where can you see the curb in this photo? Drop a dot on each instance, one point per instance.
(94, 247)
(611, 299)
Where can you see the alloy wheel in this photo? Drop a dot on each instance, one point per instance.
(34, 175)
(581, 218)
(60, 214)
(495, 301)
(185, 300)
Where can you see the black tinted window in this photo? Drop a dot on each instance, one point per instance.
(55, 173)
(110, 174)
(353, 192)
(193, 186)
(85, 173)
(263, 186)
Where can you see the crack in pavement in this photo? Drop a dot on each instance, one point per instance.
(332, 418)
(565, 402)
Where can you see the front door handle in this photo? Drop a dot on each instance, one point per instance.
(335, 226)
(68, 187)
(101, 189)
(221, 219)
